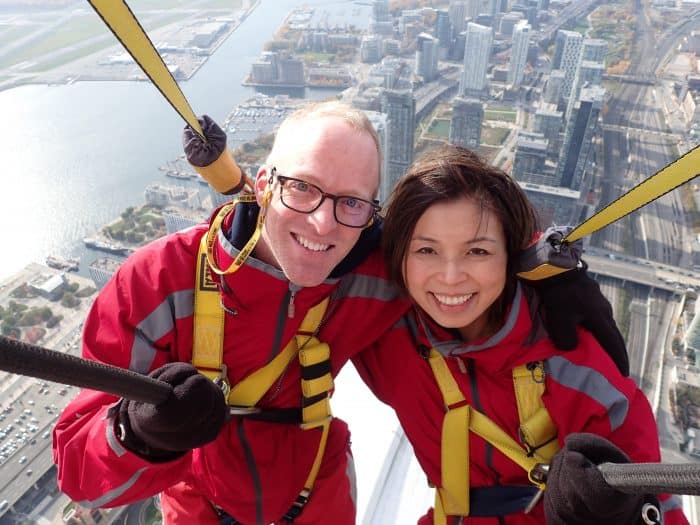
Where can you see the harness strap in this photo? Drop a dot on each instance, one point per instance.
(452, 498)
(314, 359)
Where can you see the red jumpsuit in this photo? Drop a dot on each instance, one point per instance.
(254, 470)
(584, 392)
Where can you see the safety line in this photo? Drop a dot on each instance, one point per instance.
(117, 15)
(663, 181)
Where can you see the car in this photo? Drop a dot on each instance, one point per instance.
(4, 504)
(46, 434)
(22, 460)
(29, 472)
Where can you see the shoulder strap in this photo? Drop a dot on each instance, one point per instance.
(460, 418)
(207, 344)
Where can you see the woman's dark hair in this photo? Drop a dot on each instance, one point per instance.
(449, 173)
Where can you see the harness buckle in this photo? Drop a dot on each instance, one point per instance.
(538, 474)
(222, 381)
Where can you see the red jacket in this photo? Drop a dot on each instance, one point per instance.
(143, 319)
(584, 392)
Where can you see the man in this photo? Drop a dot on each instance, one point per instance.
(312, 234)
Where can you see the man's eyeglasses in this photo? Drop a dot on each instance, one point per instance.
(304, 197)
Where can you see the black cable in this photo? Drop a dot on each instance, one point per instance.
(35, 361)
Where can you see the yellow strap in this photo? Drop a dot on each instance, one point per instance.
(122, 22)
(208, 336)
(215, 226)
(453, 497)
(249, 391)
(537, 430)
(454, 493)
(669, 178)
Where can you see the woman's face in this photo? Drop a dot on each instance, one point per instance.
(455, 265)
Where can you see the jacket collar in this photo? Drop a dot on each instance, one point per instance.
(510, 343)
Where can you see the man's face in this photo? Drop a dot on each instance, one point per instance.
(340, 160)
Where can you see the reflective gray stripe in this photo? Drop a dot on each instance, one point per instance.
(114, 443)
(352, 478)
(114, 493)
(591, 383)
(159, 322)
(366, 287)
(672, 503)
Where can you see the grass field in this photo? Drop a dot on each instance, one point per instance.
(440, 128)
(504, 116)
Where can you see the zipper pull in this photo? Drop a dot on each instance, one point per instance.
(290, 305)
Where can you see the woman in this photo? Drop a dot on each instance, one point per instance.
(487, 398)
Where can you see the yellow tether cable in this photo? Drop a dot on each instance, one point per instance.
(122, 22)
(667, 179)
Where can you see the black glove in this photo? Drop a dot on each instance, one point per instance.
(577, 493)
(192, 415)
(201, 153)
(573, 298)
(570, 298)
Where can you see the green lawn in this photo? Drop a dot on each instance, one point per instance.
(439, 128)
(504, 116)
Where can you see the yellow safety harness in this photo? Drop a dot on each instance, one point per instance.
(314, 356)
(537, 433)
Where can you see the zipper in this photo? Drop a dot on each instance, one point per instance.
(291, 310)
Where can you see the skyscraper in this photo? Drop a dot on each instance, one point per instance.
(594, 49)
(530, 154)
(426, 56)
(579, 137)
(467, 119)
(400, 109)
(589, 73)
(567, 55)
(442, 28)
(518, 56)
(477, 51)
(379, 122)
(458, 14)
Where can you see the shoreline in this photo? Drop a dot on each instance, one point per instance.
(73, 78)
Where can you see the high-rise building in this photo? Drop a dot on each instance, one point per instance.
(477, 51)
(443, 29)
(458, 15)
(552, 90)
(380, 124)
(400, 109)
(473, 8)
(467, 119)
(594, 49)
(530, 156)
(578, 137)
(588, 74)
(370, 49)
(567, 56)
(553, 205)
(426, 57)
(507, 23)
(548, 121)
(518, 55)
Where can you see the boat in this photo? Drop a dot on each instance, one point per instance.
(59, 263)
(105, 246)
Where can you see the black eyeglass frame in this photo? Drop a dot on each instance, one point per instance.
(374, 204)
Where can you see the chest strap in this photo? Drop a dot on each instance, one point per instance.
(452, 498)
(313, 355)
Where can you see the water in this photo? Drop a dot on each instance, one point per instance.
(75, 156)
